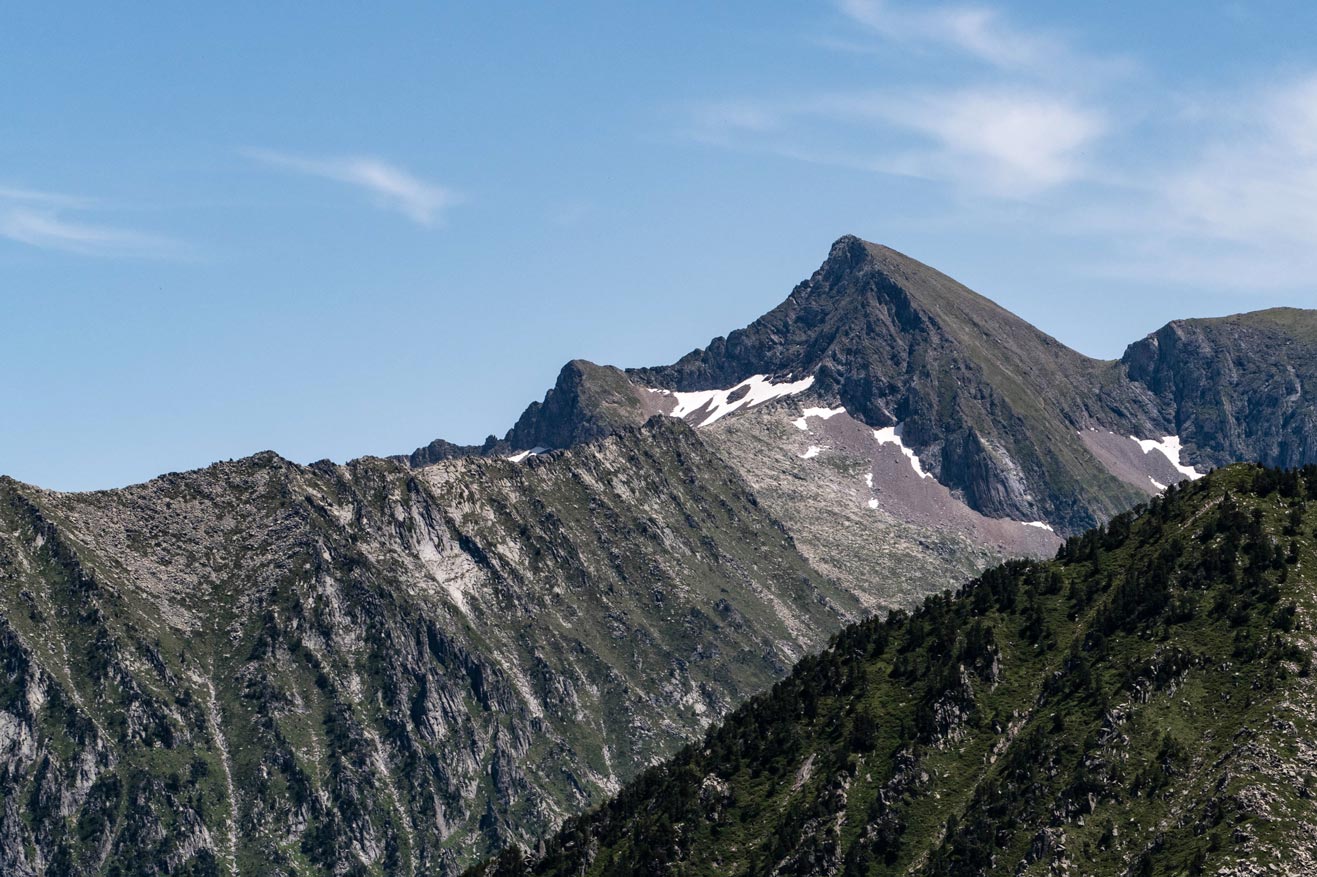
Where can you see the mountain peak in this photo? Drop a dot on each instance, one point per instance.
(853, 255)
(1016, 424)
(991, 403)
(587, 401)
(849, 250)
(856, 250)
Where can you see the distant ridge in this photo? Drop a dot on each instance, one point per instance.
(1011, 420)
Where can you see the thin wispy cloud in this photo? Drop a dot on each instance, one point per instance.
(47, 199)
(1256, 176)
(1023, 121)
(56, 221)
(986, 35)
(976, 30)
(1025, 140)
(1239, 208)
(1008, 130)
(1005, 142)
(388, 185)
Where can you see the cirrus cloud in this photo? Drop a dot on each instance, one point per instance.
(42, 219)
(1213, 189)
(389, 186)
(975, 30)
(1005, 142)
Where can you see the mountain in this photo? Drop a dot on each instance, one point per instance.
(588, 401)
(896, 420)
(1236, 384)
(262, 668)
(398, 666)
(992, 406)
(1141, 705)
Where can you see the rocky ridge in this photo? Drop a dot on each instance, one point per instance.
(263, 668)
(1003, 426)
(1015, 424)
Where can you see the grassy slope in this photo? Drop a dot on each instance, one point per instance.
(1139, 706)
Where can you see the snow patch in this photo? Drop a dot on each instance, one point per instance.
(873, 503)
(821, 413)
(1157, 484)
(811, 453)
(1041, 525)
(868, 479)
(533, 452)
(1170, 448)
(718, 404)
(891, 435)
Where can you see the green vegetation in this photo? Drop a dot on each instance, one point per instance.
(1139, 706)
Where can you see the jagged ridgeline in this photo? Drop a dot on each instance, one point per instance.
(910, 432)
(264, 668)
(1142, 705)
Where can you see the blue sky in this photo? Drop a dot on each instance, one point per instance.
(333, 231)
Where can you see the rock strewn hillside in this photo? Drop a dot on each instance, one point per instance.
(860, 512)
(263, 668)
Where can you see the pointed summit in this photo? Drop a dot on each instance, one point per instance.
(587, 401)
(866, 298)
(1016, 424)
(992, 405)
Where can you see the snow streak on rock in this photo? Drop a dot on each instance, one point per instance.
(712, 405)
(533, 452)
(1169, 445)
(891, 435)
(821, 413)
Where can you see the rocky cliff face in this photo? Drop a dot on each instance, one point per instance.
(1235, 388)
(264, 668)
(992, 406)
(1140, 705)
(586, 402)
